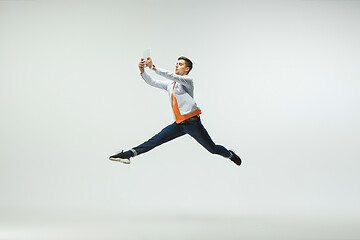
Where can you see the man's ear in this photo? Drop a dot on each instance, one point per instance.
(187, 69)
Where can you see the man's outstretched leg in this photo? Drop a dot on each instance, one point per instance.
(167, 134)
(198, 131)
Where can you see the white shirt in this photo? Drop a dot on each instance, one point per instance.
(184, 88)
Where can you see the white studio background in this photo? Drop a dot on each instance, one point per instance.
(278, 82)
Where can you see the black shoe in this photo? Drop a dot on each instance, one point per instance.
(235, 158)
(120, 157)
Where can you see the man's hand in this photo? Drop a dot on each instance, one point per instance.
(149, 62)
(142, 65)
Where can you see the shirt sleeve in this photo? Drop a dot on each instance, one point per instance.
(186, 80)
(155, 83)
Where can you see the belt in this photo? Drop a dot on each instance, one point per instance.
(191, 119)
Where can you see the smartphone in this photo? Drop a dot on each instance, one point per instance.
(146, 53)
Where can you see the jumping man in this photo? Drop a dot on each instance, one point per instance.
(187, 114)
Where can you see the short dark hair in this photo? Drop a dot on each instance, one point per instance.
(188, 62)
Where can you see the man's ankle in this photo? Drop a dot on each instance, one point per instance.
(130, 153)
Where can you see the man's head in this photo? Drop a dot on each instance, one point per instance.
(183, 66)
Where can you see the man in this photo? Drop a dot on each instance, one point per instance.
(187, 120)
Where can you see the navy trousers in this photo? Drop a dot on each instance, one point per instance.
(194, 128)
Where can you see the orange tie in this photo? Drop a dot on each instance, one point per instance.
(178, 117)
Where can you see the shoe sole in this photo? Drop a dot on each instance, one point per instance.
(233, 152)
(120, 160)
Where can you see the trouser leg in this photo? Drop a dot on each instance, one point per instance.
(199, 133)
(167, 134)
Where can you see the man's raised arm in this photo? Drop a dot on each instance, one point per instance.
(149, 80)
(184, 79)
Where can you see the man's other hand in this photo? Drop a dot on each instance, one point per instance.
(142, 65)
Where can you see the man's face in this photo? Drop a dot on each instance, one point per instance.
(181, 69)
